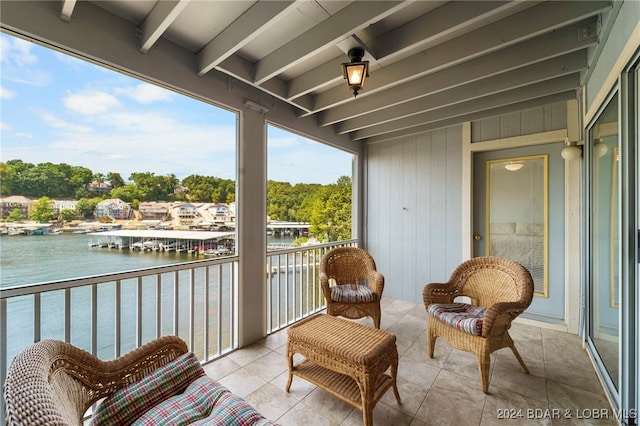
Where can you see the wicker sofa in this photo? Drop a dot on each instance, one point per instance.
(55, 383)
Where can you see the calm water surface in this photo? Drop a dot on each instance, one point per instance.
(40, 258)
(26, 260)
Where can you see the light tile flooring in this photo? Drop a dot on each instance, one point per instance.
(444, 390)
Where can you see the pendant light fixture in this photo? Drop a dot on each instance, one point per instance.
(356, 71)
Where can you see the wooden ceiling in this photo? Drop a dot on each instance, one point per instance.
(432, 63)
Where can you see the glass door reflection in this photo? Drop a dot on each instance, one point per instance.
(604, 283)
(517, 214)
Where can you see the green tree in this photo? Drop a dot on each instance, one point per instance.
(87, 206)
(7, 178)
(68, 214)
(44, 179)
(43, 210)
(115, 180)
(15, 215)
(209, 189)
(155, 188)
(330, 211)
(128, 193)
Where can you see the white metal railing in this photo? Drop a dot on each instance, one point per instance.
(109, 315)
(293, 283)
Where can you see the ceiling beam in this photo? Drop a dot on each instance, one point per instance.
(250, 25)
(544, 88)
(346, 22)
(539, 49)
(156, 23)
(534, 21)
(241, 69)
(533, 103)
(422, 31)
(443, 23)
(541, 71)
(67, 9)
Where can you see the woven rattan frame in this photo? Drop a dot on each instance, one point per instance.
(502, 286)
(54, 383)
(351, 265)
(346, 359)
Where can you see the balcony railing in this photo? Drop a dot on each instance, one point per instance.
(110, 315)
(293, 283)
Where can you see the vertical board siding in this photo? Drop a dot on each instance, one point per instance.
(439, 191)
(423, 248)
(407, 214)
(525, 122)
(414, 209)
(455, 239)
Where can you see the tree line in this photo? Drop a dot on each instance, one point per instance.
(326, 207)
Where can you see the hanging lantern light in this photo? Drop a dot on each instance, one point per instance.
(356, 71)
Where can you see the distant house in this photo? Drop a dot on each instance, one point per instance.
(59, 205)
(220, 212)
(8, 204)
(99, 187)
(115, 208)
(232, 212)
(154, 210)
(187, 211)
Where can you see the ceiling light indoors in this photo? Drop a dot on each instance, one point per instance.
(356, 71)
(513, 167)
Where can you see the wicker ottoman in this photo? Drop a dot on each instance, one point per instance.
(347, 359)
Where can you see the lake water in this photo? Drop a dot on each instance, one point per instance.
(26, 260)
(40, 258)
(35, 259)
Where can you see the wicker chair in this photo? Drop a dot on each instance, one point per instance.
(54, 383)
(499, 290)
(351, 285)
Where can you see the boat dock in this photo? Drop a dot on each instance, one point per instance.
(197, 242)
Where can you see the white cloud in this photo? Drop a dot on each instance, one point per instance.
(148, 142)
(6, 93)
(58, 123)
(23, 135)
(146, 93)
(19, 63)
(21, 52)
(90, 102)
(4, 126)
(17, 51)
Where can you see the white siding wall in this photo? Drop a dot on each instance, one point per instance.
(414, 210)
(518, 123)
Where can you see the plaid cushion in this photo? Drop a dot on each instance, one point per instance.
(127, 404)
(204, 402)
(464, 317)
(352, 293)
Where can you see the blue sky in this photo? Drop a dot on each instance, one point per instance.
(59, 109)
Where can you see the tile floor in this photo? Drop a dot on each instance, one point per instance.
(444, 390)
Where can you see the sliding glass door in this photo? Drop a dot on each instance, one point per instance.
(612, 244)
(604, 283)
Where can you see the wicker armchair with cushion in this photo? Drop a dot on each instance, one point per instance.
(54, 383)
(351, 285)
(499, 290)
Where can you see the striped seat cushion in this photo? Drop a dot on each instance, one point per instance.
(352, 293)
(463, 316)
(178, 393)
(204, 402)
(130, 402)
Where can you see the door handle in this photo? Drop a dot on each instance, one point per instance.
(477, 237)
